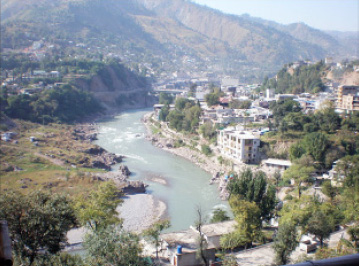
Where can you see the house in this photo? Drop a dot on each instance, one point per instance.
(307, 243)
(55, 74)
(181, 247)
(242, 146)
(348, 98)
(40, 73)
(283, 97)
(270, 94)
(276, 164)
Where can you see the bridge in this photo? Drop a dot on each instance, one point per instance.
(173, 91)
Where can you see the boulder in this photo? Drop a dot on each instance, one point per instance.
(100, 164)
(134, 187)
(124, 170)
(96, 150)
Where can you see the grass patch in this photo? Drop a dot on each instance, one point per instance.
(46, 165)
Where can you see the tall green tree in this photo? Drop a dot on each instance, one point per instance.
(112, 246)
(165, 98)
(285, 243)
(201, 241)
(98, 209)
(248, 216)
(299, 174)
(154, 233)
(254, 188)
(320, 225)
(38, 223)
(316, 144)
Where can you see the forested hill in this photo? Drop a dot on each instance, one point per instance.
(81, 88)
(172, 31)
(307, 77)
(298, 79)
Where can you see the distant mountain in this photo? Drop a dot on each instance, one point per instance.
(173, 31)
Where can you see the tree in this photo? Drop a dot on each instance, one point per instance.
(202, 242)
(165, 110)
(165, 98)
(112, 246)
(154, 233)
(219, 215)
(320, 225)
(206, 150)
(237, 104)
(232, 240)
(211, 98)
(192, 90)
(353, 232)
(98, 209)
(247, 214)
(38, 223)
(208, 130)
(316, 144)
(254, 188)
(300, 174)
(329, 190)
(285, 243)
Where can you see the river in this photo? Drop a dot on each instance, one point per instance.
(187, 185)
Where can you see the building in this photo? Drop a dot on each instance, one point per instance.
(270, 94)
(242, 146)
(181, 247)
(276, 164)
(283, 97)
(348, 98)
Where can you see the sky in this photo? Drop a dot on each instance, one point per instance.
(340, 15)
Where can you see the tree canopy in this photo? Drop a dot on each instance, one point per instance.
(98, 209)
(37, 222)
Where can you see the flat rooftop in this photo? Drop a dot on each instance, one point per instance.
(243, 134)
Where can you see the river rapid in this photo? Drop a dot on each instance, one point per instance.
(183, 186)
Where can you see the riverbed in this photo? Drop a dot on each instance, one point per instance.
(183, 186)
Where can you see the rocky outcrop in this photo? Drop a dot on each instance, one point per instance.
(124, 170)
(120, 178)
(134, 187)
(96, 150)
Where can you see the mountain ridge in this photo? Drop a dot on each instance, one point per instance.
(173, 29)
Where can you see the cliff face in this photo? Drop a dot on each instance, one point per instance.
(118, 89)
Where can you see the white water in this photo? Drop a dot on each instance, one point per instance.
(187, 185)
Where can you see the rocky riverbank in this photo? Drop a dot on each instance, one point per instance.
(138, 210)
(166, 141)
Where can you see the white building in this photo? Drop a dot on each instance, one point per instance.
(242, 146)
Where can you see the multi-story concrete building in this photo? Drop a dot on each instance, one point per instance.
(348, 98)
(241, 146)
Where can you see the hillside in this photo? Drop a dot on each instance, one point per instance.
(179, 33)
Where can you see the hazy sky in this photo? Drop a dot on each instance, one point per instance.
(342, 15)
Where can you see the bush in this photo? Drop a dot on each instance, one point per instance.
(206, 150)
(288, 197)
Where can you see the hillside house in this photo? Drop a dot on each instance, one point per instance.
(181, 247)
(241, 146)
(348, 98)
(276, 164)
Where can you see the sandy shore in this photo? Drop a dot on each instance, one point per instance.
(140, 211)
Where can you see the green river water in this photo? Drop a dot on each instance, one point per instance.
(187, 185)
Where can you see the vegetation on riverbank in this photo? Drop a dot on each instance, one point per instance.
(49, 157)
